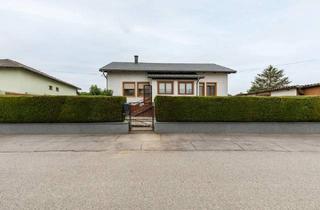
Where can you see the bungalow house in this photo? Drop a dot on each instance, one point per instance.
(171, 79)
(295, 90)
(19, 79)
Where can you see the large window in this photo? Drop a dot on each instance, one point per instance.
(211, 89)
(129, 89)
(141, 88)
(201, 89)
(185, 88)
(165, 87)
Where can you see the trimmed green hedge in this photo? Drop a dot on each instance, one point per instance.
(237, 109)
(60, 109)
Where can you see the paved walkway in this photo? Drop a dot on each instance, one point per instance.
(156, 142)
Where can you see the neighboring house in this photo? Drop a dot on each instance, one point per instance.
(171, 79)
(19, 79)
(295, 90)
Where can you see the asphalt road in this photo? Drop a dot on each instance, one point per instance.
(147, 171)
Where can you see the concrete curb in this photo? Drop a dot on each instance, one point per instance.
(238, 127)
(64, 128)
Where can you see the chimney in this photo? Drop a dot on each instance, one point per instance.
(136, 59)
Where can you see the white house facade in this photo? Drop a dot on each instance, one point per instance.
(171, 79)
(19, 79)
(286, 92)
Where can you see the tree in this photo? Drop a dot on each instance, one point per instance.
(107, 92)
(94, 90)
(270, 78)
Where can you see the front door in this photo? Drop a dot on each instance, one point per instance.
(147, 94)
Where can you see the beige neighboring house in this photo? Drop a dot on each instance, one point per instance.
(295, 90)
(19, 79)
(171, 79)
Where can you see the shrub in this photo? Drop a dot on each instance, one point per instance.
(237, 109)
(60, 109)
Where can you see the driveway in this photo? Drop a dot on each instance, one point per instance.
(149, 171)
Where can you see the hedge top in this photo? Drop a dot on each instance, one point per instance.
(60, 109)
(237, 109)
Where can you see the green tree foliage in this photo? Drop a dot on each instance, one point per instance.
(270, 78)
(94, 90)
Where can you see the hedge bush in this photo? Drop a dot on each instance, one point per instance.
(237, 109)
(60, 109)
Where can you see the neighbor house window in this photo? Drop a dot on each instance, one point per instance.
(211, 89)
(165, 87)
(185, 88)
(50, 87)
(57, 89)
(129, 89)
(141, 88)
(201, 89)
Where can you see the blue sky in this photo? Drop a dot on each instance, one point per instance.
(73, 39)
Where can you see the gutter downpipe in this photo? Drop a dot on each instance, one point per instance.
(198, 80)
(105, 74)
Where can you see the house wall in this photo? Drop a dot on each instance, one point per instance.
(220, 79)
(116, 79)
(314, 91)
(291, 92)
(20, 81)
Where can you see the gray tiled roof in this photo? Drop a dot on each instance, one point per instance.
(14, 64)
(166, 67)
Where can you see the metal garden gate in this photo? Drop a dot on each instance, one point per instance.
(141, 114)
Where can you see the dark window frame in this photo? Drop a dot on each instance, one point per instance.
(215, 88)
(165, 87)
(185, 87)
(203, 88)
(123, 89)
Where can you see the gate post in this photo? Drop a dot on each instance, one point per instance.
(130, 125)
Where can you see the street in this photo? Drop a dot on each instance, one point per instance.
(151, 171)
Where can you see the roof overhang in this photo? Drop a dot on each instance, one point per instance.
(176, 76)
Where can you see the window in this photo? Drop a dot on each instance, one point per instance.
(50, 87)
(129, 89)
(201, 89)
(165, 87)
(185, 88)
(211, 89)
(57, 89)
(141, 88)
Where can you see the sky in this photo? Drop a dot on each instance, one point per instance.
(73, 39)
